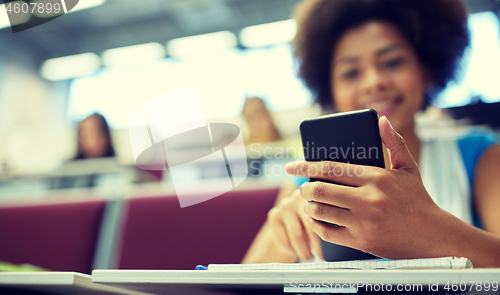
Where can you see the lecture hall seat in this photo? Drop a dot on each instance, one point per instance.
(60, 237)
(158, 234)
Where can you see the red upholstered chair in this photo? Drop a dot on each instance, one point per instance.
(59, 236)
(158, 234)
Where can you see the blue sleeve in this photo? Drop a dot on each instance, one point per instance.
(472, 146)
(300, 180)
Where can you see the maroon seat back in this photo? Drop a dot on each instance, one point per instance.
(54, 236)
(158, 234)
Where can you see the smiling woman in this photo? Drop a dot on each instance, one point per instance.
(374, 67)
(392, 56)
(436, 32)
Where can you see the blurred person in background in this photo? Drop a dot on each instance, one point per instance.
(94, 138)
(94, 149)
(262, 133)
(260, 124)
(391, 56)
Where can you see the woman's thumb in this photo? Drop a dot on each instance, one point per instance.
(399, 153)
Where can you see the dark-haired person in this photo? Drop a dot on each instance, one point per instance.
(94, 139)
(391, 56)
(94, 142)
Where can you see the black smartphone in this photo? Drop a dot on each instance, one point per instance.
(349, 137)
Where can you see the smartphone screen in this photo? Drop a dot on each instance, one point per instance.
(350, 137)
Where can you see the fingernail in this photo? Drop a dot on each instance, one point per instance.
(392, 128)
(289, 167)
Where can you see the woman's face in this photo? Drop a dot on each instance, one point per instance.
(92, 140)
(374, 67)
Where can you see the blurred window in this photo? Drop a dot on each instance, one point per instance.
(223, 81)
(480, 67)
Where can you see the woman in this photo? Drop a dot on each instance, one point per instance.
(391, 56)
(94, 138)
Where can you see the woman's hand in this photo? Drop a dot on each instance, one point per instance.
(290, 232)
(386, 212)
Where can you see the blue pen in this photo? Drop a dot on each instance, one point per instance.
(201, 267)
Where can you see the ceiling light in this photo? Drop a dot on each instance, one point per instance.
(67, 67)
(199, 45)
(133, 55)
(268, 34)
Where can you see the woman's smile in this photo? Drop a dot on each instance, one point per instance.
(385, 106)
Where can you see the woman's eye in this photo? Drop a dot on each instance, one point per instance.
(392, 63)
(350, 74)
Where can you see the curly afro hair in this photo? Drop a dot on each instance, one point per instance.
(437, 30)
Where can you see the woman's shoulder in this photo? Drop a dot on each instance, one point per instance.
(472, 143)
(475, 142)
(469, 138)
(435, 126)
(478, 138)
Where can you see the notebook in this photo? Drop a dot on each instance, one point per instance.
(443, 262)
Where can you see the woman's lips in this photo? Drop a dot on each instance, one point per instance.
(385, 107)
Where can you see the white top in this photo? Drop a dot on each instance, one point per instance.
(445, 177)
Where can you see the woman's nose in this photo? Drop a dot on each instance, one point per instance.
(374, 81)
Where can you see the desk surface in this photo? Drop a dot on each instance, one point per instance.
(56, 283)
(212, 282)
